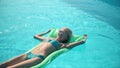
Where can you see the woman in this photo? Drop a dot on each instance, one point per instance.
(39, 53)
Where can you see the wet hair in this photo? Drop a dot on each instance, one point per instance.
(69, 34)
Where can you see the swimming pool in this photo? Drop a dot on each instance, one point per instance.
(20, 21)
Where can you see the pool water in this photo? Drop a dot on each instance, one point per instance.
(100, 19)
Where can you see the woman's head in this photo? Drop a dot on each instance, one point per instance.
(64, 35)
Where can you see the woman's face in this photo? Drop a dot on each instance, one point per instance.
(62, 35)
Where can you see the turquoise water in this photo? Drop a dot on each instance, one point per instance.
(21, 20)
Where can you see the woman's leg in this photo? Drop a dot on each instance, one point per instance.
(27, 63)
(13, 61)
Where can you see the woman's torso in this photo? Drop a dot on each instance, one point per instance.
(45, 48)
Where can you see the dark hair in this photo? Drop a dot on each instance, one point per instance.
(69, 34)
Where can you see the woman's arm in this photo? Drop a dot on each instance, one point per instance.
(71, 45)
(40, 36)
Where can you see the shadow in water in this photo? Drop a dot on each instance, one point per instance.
(112, 2)
(99, 9)
(105, 36)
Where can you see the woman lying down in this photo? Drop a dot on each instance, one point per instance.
(38, 54)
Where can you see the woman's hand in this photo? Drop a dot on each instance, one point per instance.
(85, 35)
